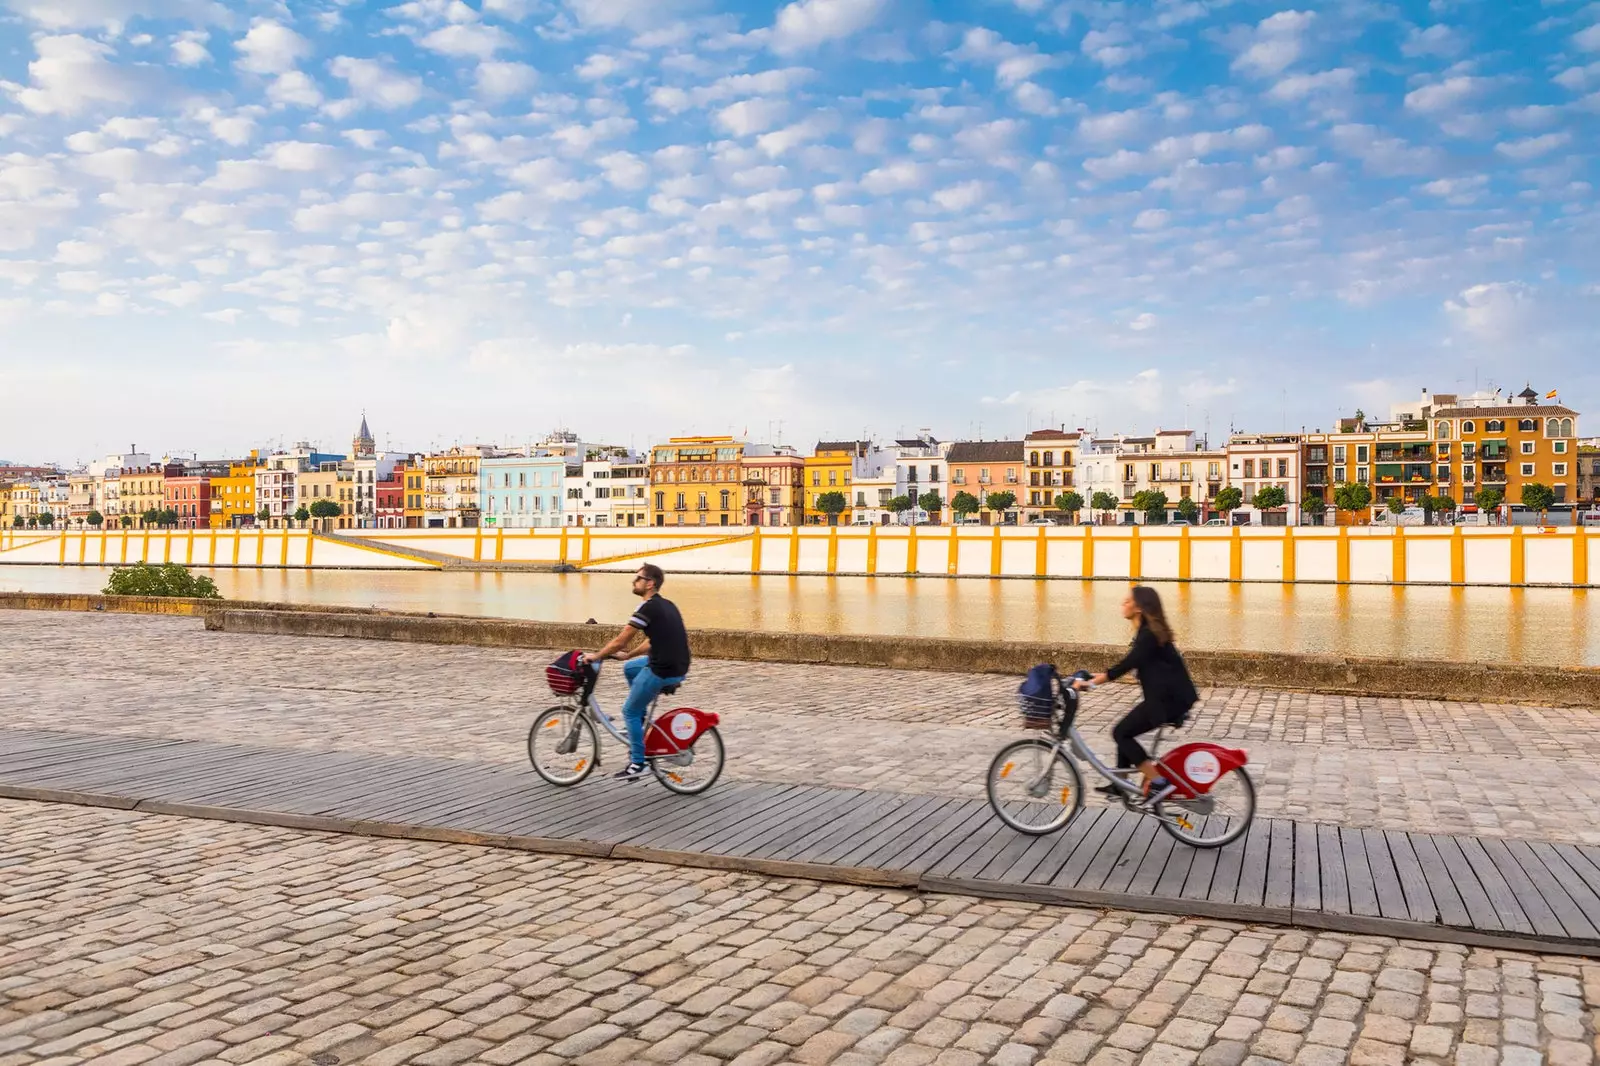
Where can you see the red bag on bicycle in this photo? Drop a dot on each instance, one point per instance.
(565, 675)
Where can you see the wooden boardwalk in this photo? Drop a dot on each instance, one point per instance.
(1529, 895)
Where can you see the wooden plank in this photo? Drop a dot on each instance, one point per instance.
(1120, 877)
(1415, 882)
(1556, 861)
(1161, 851)
(874, 832)
(637, 811)
(1331, 870)
(1042, 848)
(1225, 878)
(1008, 843)
(242, 785)
(923, 855)
(808, 806)
(1501, 896)
(980, 836)
(104, 767)
(1529, 897)
(1579, 861)
(1094, 834)
(1307, 868)
(806, 823)
(778, 808)
(861, 807)
(1388, 893)
(1110, 851)
(1279, 890)
(1251, 891)
(416, 789)
(911, 819)
(942, 833)
(1480, 912)
(586, 805)
(1362, 886)
(1197, 885)
(1175, 872)
(1553, 889)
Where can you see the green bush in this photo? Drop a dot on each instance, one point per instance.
(168, 579)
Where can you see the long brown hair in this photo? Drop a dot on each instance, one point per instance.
(1149, 603)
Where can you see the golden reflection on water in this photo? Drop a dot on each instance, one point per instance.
(1551, 626)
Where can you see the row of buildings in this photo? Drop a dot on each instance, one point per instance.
(1439, 445)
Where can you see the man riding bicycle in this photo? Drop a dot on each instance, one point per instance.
(662, 660)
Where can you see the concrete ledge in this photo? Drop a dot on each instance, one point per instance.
(1412, 678)
(165, 605)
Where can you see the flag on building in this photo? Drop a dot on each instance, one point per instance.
(1551, 394)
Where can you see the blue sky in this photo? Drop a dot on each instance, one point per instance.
(225, 224)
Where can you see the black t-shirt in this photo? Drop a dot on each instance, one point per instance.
(658, 619)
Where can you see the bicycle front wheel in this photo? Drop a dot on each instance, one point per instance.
(563, 746)
(693, 770)
(1034, 786)
(1219, 817)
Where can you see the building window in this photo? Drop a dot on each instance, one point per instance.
(1559, 470)
(1361, 453)
(1283, 468)
(1560, 447)
(1361, 475)
(1494, 425)
(816, 478)
(1442, 431)
(1249, 468)
(1527, 469)
(1526, 425)
(1527, 447)
(1338, 475)
(1468, 427)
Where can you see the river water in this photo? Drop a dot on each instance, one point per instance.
(1548, 626)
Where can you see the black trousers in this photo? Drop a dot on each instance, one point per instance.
(1144, 718)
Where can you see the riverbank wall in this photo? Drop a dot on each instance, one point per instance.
(1336, 675)
(1382, 555)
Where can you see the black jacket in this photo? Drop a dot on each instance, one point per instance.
(1162, 673)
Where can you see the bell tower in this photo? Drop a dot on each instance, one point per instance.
(362, 445)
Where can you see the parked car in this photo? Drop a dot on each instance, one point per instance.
(1039, 520)
(1215, 522)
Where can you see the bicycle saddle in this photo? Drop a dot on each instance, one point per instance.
(669, 690)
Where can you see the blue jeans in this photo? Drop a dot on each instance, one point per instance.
(643, 686)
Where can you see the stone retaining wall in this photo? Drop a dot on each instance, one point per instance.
(1416, 678)
(1425, 679)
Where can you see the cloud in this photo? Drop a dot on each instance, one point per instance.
(371, 82)
(1491, 311)
(1458, 191)
(1151, 218)
(1013, 64)
(270, 48)
(1444, 95)
(1111, 47)
(960, 197)
(806, 24)
(189, 49)
(1300, 86)
(1589, 39)
(624, 170)
(71, 75)
(1533, 147)
(1275, 44)
(1142, 322)
(301, 156)
(294, 87)
(809, 129)
(1172, 151)
(751, 116)
(1436, 40)
(498, 80)
(1385, 156)
(899, 176)
(468, 40)
(1115, 127)
(113, 15)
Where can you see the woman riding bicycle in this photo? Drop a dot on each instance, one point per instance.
(1168, 690)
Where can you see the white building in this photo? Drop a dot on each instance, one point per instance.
(870, 495)
(1256, 460)
(920, 468)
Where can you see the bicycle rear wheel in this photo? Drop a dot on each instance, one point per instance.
(1219, 817)
(563, 746)
(1034, 786)
(694, 770)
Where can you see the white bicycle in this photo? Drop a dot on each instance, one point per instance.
(682, 748)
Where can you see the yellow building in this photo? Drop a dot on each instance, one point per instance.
(142, 489)
(1505, 447)
(829, 469)
(333, 481)
(414, 478)
(450, 493)
(697, 481)
(233, 498)
(6, 515)
(1051, 456)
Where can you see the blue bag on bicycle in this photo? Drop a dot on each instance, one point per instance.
(1037, 696)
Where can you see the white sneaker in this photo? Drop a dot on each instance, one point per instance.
(631, 771)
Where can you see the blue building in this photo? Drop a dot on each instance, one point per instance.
(521, 492)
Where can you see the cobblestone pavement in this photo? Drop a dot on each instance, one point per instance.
(1389, 763)
(130, 938)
